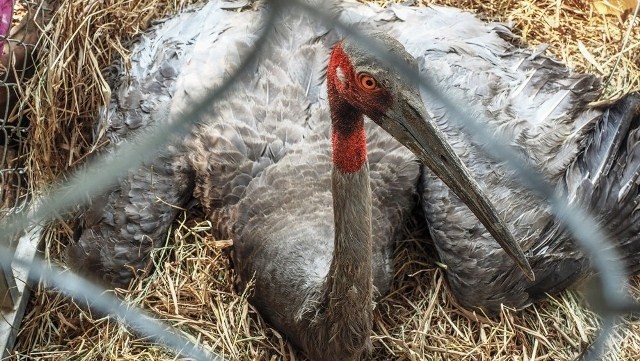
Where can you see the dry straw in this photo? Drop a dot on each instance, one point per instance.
(191, 287)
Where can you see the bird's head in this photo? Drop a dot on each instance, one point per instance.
(360, 83)
(358, 78)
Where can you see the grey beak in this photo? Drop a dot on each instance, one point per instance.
(412, 127)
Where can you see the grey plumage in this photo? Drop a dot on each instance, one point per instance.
(543, 107)
(261, 165)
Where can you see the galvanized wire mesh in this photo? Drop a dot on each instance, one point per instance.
(104, 172)
(16, 64)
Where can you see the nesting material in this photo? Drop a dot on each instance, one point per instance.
(192, 285)
(69, 88)
(577, 33)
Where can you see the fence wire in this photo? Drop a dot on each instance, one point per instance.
(14, 64)
(17, 44)
(103, 173)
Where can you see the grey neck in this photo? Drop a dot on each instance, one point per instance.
(349, 285)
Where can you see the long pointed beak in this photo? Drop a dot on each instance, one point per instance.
(412, 127)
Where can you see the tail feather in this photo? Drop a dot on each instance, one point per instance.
(605, 177)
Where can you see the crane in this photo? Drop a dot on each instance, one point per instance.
(309, 224)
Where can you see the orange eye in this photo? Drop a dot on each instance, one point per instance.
(367, 82)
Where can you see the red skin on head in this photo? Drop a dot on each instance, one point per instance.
(348, 135)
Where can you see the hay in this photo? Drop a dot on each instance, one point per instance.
(191, 287)
(192, 290)
(577, 34)
(65, 95)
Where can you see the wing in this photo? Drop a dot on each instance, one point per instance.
(123, 225)
(605, 177)
(536, 103)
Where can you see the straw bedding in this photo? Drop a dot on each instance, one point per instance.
(191, 287)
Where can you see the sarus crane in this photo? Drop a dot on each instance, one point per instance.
(315, 229)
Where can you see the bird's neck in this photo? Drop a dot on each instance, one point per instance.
(348, 138)
(349, 285)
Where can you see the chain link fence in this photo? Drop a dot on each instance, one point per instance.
(19, 214)
(18, 40)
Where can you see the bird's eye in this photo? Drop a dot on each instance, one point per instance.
(367, 82)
